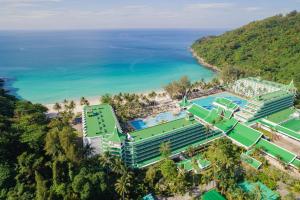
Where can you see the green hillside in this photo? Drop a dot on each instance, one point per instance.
(269, 48)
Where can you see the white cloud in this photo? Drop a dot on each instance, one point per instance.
(199, 6)
(253, 8)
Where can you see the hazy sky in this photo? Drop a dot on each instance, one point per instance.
(107, 14)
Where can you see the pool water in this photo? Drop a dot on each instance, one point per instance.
(139, 124)
(206, 102)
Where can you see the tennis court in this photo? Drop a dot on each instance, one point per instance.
(293, 124)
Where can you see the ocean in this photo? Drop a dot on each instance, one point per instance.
(49, 66)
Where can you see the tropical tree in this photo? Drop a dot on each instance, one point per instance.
(123, 184)
(151, 175)
(165, 149)
(72, 105)
(84, 101)
(225, 163)
(57, 107)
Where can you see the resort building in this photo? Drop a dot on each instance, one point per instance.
(101, 129)
(200, 122)
(142, 147)
(266, 97)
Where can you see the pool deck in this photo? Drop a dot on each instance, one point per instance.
(217, 95)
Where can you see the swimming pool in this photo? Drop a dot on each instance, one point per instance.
(139, 124)
(206, 102)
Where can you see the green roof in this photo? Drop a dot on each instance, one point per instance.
(276, 151)
(162, 128)
(226, 103)
(280, 94)
(186, 164)
(288, 132)
(292, 124)
(198, 111)
(184, 102)
(212, 195)
(265, 82)
(250, 161)
(281, 115)
(283, 130)
(265, 192)
(149, 197)
(244, 135)
(99, 120)
(296, 163)
(203, 163)
(116, 136)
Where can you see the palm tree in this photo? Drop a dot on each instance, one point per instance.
(106, 159)
(150, 175)
(118, 166)
(72, 105)
(84, 101)
(57, 107)
(190, 151)
(123, 184)
(207, 130)
(65, 102)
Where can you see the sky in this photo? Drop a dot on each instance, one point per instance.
(124, 14)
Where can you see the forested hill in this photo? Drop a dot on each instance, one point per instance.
(269, 48)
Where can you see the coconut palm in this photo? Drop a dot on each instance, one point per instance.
(106, 160)
(57, 107)
(72, 105)
(118, 166)
(84, 101)
(123, 184)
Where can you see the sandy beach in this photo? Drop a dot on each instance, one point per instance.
(97, 100)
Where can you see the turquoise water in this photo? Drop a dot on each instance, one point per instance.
(51, 66)
(139, 124)
(206, 102)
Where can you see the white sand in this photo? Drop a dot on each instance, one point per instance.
(96, 100)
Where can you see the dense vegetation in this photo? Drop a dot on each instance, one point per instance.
(269, 48)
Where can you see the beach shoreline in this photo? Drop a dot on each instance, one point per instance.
(203, 62)
(95, 100)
